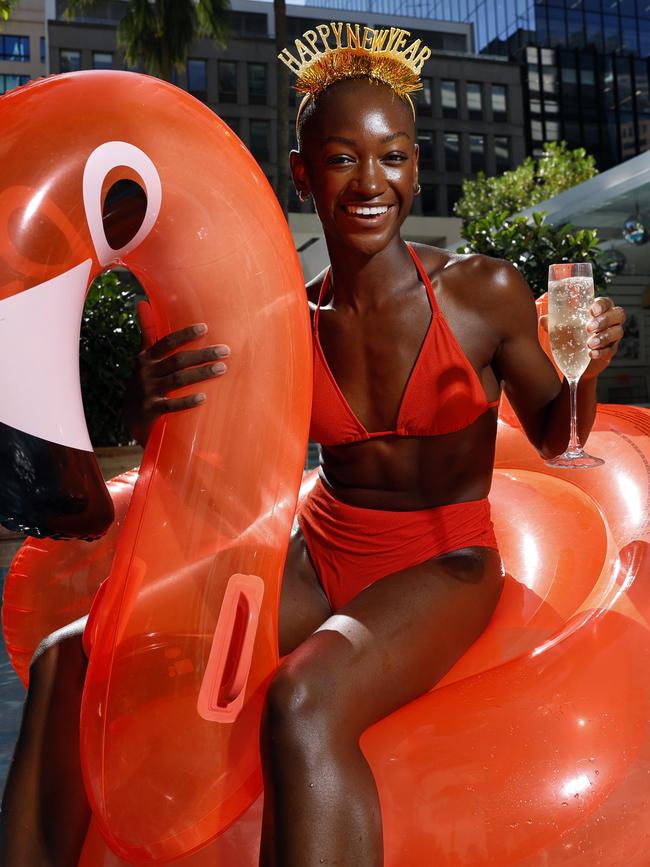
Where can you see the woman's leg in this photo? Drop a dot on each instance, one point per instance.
(390, 644)
(45, 813)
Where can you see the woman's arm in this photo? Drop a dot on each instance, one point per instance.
(538, 396)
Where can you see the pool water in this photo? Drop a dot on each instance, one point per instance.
(12, 694)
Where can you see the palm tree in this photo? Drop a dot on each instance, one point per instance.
(5, 8)
(159, 33)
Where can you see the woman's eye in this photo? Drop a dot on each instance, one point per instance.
(338, 159)
(396, 157)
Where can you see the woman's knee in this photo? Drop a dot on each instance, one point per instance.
(62, 648)
(295, 710)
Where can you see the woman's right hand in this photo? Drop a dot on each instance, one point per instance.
(159, 369)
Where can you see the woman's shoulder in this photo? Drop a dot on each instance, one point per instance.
(469, 267)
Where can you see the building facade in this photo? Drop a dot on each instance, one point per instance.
(586, 64)
(470, 110)
(23, 50)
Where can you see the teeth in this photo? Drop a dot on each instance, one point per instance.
(367, 211)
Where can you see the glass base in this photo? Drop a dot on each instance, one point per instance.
(577, 460)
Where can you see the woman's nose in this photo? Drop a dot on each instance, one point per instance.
(369, 178)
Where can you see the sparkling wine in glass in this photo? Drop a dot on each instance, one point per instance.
(570, 296)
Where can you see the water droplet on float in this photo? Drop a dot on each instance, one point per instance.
(596, 772)
(592, 758)
(311, 785)
(565, 803)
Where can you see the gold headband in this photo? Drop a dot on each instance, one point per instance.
(380, 55)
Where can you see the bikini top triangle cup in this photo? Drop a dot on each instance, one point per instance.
(443, 393)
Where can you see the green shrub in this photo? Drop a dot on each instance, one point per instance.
(109, 342)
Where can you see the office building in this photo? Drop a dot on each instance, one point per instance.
(586, 64)
(23, 52)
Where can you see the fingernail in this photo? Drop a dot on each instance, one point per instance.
(201, 328)
(218, 368)
(199, 398)
(595, 353)
(594, 341)
(222, 351)
(596, 309)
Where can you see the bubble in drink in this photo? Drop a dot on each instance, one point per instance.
(568, 314)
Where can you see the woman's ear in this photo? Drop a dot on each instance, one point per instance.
(298, 174)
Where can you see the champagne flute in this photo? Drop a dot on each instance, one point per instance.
(570, 296)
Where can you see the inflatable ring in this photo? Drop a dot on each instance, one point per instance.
(187, 634)
(533, 749)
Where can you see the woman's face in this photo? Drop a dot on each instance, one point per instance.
(359, 162)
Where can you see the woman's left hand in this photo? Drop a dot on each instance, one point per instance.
(605, 330)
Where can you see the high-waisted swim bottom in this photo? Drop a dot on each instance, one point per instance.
(352, 547)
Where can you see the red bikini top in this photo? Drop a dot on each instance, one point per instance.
(443, 393)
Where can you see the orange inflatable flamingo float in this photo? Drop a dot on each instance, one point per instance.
(534, 750)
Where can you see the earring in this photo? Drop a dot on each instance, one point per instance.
(302, 196)
(417, 189)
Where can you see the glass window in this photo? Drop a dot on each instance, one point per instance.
(552, 130)
(449, 96)
(14, 48)
(424, 95)
(536, 130)
(257, 84)
(557, 35)
(549, 79)
(454, 193)
(8, 82)
(474, 101)
(426, 143)
(260, 135)
(227, 80)
(102, 60)
(499, 102)
(502, 153)
(233, 123)
(591, 136)
(69, 61)
(477, 152)
(575, 28)
(533, 78)
(428, 199)
(643, 9)
(42, 47)
(644, 38)
(452, 152)
(594, 31)
(629, 35)
(197, 76)
(611, 33)
(641, 87)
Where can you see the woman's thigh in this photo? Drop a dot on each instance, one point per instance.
(303, 604)
(396, 639)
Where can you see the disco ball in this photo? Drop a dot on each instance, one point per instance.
(635, 232)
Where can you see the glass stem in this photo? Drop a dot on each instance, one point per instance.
(574, 442)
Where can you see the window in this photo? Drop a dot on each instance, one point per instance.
(227, 79)
(426, 142)
(449, 98)
(259, 138)
(8, 82)
(14, 48)
(452, 152)
(502, 153)
(233, 123)
(102, 60)
(477, 152)
(474, 101)
(197, 77)
(69, 61)
(424, 96)
(428, 198)
(257, 84)
(453, 194)
(499, 102)
(42, 49)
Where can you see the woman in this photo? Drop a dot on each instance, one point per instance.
(392, 572)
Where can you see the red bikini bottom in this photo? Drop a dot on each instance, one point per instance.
(352, 547)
